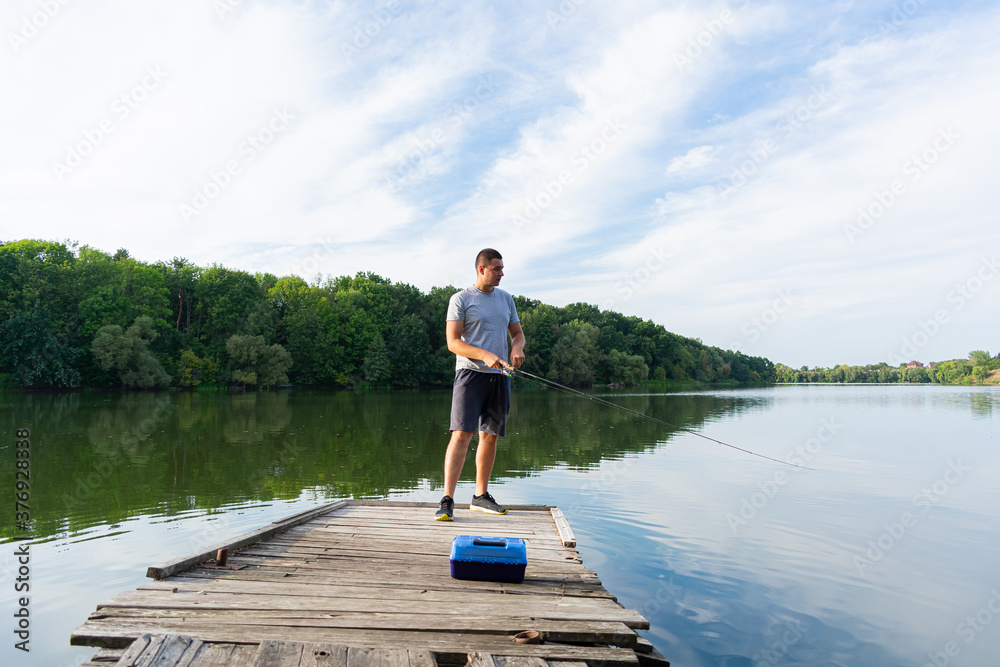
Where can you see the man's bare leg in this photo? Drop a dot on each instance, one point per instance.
(454, 460)
(486, 453)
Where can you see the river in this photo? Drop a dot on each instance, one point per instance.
(881, 549)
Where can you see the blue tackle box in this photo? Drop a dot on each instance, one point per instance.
(488, 558)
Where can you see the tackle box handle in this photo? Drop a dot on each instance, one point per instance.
(484, 542)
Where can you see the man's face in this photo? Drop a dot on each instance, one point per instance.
(493, 272)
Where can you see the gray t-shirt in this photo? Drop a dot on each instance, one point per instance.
(487, 316)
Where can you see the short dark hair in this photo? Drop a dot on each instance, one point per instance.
(487, 255)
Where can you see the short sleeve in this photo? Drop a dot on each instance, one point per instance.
(456, 308)
(513, 310)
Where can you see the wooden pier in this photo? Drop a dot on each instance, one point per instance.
(356, 583)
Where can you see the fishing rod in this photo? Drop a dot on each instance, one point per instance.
(510, 370)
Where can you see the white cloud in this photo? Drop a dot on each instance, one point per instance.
(693, 159)
(744, 162)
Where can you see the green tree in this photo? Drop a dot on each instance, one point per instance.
(916, 375)
(192, 370)
(584, 312)
(255, 362)
(33, 272)
(575, 355)
(626, 369)
(409, 352)
(180, 278)
(223, 301)
(433, 311)
(979, 358)
(376, 366)
(104, 305)
(541, 328)
(329, 329)
(33, 353)
(128, 354)
(307, 327)
(358, 327)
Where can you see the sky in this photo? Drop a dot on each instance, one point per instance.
(806, 182)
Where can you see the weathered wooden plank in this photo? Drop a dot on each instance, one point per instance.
(565, 609)
(394, 540)
(136, 649)
(648, 655)
(519, 661)
(121, 633)
(562, 525)
(421, 658)
(412, 504)
(604, 632)
(321, 568)
(176, 650)
(166, 568)
(327, 588)
(275, 653)
(324, 654)
(346, 565)
(421, 516)
(424, 523)
(106, 655)
(418, 543)
(383, 657)
(344, 561)
(145, 658)
(415, 576)
(424, 518)
(401, 558)
(423, 582)
(227, 655)
(530, 533)
(412, 552)
(192, 656)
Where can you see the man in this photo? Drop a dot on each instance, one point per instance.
(480, 318)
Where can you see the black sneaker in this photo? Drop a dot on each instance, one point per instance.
(447, 510)
(486, 503)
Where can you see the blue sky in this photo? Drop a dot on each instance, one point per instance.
(809, 182)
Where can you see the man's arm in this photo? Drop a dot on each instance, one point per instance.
(453, 334)
(516, 344)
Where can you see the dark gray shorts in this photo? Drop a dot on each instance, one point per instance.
(480, 402)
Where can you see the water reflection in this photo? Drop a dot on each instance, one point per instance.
(156, 475)
(100, 458)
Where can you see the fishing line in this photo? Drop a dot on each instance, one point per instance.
(509, 372)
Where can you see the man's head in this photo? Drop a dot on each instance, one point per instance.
(485, 256)
(489, 269)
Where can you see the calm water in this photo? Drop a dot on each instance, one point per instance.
(886, 553)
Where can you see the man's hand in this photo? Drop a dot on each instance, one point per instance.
(516, 344)
(492, 360)
(516, 356)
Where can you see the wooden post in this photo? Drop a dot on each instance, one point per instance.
(222, 557)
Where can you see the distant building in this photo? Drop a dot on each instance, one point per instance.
(914, 364)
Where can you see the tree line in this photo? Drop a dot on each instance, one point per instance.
(74, 316)
(979, 368)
